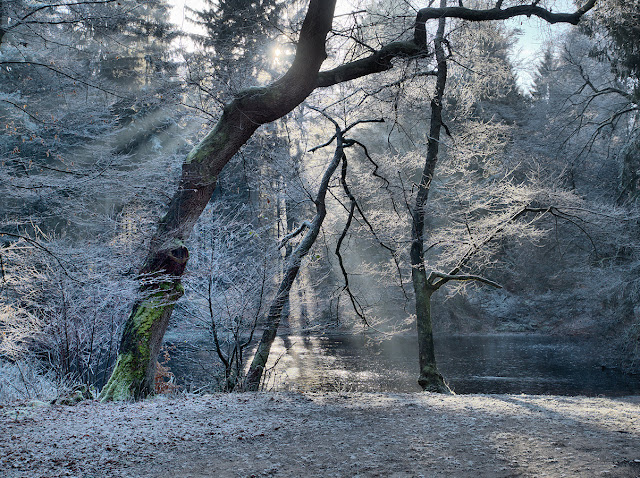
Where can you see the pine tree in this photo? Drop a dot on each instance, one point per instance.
(542, 77)
(238, 38)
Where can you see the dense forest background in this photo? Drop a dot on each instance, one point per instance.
(536, 188)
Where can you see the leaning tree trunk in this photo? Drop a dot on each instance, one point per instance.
(430, 379)
(261, 357)
(134, 371)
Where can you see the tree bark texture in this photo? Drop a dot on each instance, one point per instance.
(430, 379)
(135, 369)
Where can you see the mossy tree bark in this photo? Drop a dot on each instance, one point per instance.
(135, 369)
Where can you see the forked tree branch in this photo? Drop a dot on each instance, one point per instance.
(382, 59)
(438, 279)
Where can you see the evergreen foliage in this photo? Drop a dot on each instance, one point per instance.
(616, 29)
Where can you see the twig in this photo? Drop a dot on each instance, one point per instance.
(40, 246)
(459, 277)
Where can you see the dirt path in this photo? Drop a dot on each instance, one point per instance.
(326, 435)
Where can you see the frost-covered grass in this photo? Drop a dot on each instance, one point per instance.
(325, 435)
(23, 380)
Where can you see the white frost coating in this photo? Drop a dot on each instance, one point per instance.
(328, 434)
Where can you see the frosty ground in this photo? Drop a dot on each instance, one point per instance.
(325, 435)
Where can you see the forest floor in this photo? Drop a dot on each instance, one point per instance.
(325, 435)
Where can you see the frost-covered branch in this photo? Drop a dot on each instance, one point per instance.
(459, 277)
(438, 279)
(291, 235)
(37, 244)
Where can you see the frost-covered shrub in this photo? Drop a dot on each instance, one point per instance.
(62, 311)
(23, 380)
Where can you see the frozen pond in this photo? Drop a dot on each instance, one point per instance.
(532, 364)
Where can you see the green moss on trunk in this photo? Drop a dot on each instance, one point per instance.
(125, 378)
(134, 371)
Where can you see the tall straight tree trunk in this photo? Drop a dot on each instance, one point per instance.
(430, 379)
(134, 372)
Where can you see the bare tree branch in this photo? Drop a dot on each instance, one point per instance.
(346, 287)
(37, 244)
(347, 142)
(496, 13)
(291, 235)
(458, 277)
(378, 62)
